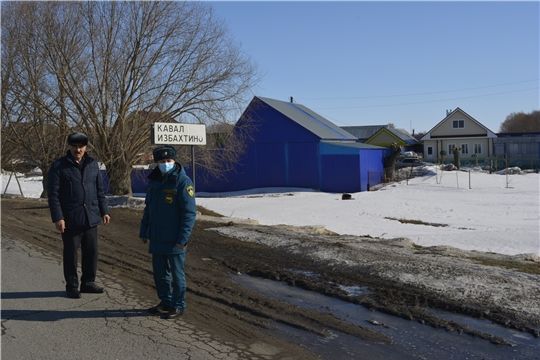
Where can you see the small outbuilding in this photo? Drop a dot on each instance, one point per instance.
(518, 149)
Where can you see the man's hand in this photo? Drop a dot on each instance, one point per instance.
(60, 225)
(106, 219)
(144, 240)
(182, 247)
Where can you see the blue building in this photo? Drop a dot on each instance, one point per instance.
(292, 146)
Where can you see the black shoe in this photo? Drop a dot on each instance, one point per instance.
(92, 289)
(74, 294)
(173, 314)
(159, 309)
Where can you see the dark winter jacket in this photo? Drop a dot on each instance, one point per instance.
(170, 212)
(76, 192)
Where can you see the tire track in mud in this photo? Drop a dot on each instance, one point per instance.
(380, 265)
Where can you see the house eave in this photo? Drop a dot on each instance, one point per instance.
(461, 136)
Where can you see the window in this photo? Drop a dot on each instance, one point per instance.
(464, 149)
(450, 148)
(478, 148)
(458, 124)
(430, 150)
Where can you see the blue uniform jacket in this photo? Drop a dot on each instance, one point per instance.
(170, 211)
(76, 193)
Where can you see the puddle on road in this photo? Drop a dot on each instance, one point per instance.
(411, 340)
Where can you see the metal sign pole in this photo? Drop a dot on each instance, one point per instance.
(193, 165)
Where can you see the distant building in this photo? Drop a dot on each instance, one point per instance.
(519, 149)
(364, 132)
(458, 130)
(384, 135)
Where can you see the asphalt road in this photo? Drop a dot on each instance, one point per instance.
(40, 322)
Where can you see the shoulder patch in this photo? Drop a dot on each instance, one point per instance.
(190, 191)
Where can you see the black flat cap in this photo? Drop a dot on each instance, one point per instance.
(77, 139)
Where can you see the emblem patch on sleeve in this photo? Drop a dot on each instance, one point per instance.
(190, 191)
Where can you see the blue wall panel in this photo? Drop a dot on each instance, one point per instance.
(271, 169)
(303, 165)
(340, 173)
(245, 174)
(334, 149)
(370, 161)
(139, 180)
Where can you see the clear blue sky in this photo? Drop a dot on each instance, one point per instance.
(371, 63)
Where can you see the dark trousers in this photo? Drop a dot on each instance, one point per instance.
(86, 239)
(170, 279)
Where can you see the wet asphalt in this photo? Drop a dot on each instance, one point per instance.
(40, 322)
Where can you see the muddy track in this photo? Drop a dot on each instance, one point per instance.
(403, 280)
(219, 251)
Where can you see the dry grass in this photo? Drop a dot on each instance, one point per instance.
(416, 222)
(529, 268)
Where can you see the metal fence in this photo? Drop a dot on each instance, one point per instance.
(376, 179)
(496, 163)
(446, 175)
(511, 178)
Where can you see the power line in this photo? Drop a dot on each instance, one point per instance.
(424, 93)
(425, 101)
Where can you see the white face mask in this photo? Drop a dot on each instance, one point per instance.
(166, 167)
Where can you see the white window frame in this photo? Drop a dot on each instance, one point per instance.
(428, 149)
(458, 122)
(464, 148)
(477, 146)
(450, 148)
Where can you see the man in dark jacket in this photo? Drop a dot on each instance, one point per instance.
(78, 205)
(167, 222)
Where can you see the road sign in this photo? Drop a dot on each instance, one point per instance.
(179, 134)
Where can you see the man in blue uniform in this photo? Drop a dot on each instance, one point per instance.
(78, 205)
(167, 222)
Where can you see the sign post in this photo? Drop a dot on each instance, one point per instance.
(180, 134)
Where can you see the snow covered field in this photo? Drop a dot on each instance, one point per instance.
(492, 219)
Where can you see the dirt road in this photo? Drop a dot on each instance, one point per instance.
(403, 279)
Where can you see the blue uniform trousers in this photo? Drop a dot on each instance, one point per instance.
(170, 279)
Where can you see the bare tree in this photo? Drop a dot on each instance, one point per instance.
(390, 161)
(9, 149)
(521, 122)
(113, 61)
(31, 116)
